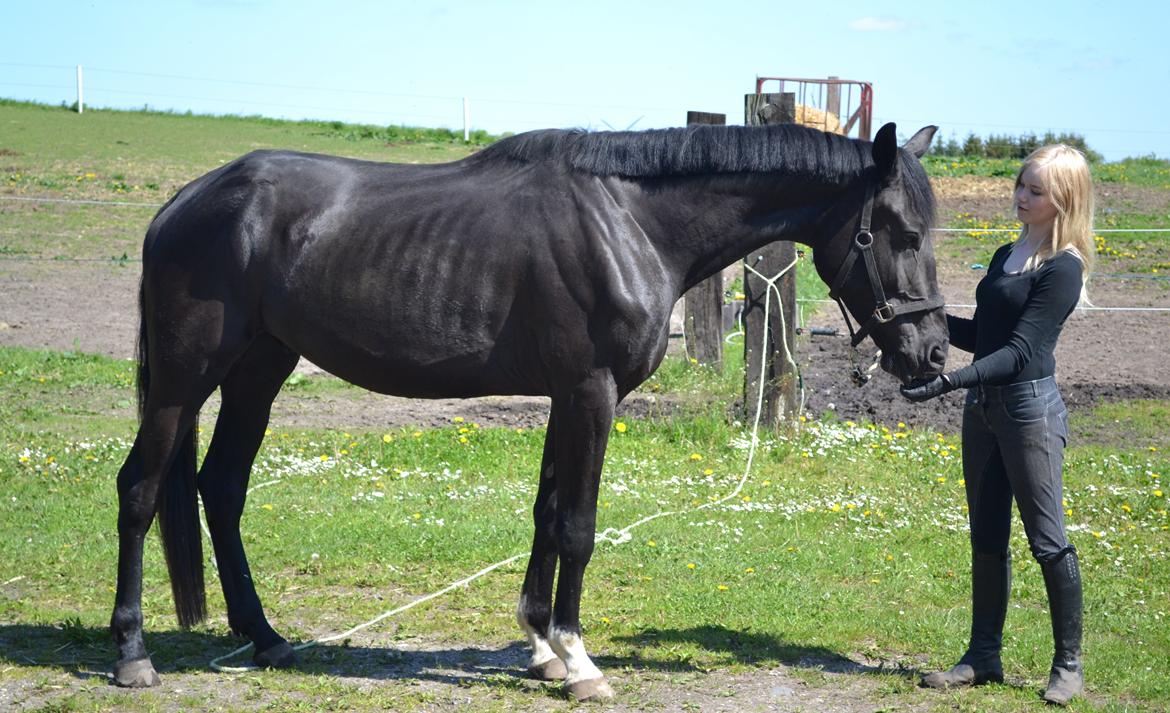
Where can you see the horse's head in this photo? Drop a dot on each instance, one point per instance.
(875, 253)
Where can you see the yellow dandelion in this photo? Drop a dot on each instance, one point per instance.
(417, 434)
(835, 507)
(324, 458)
(708, 471)
(457, 419)
(691, 565)
(1157, 493)
(463, 439)
(620, 427)
(651, 543)
(750, 570)
(696, 456)
(386, 438)
(266, 506)
(723, 587)
(605, 620)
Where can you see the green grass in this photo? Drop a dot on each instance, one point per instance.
(145, 157)
(1146, 171)
(847, 540)
(812, 560)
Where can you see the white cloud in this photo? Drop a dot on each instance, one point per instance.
(876, 24)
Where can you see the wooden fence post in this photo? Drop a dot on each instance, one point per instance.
(780, 402)
(703, 304)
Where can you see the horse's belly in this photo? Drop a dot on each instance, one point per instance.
(418, 367)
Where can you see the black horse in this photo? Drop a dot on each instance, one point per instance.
(546, 264)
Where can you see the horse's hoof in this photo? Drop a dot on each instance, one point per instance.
(551, 670)
(138, 673)
(278, 656)
(593, 689)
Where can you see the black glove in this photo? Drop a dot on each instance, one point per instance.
(937, 386)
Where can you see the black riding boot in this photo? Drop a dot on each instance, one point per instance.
(991, 584)
(1062, 579)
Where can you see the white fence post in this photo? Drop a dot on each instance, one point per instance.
(80, 96)
(466, 119)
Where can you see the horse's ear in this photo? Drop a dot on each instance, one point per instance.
(885, 149)
(919, 143)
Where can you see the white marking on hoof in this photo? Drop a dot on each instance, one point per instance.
(551, 670)
(571, 649)
(544, 664)
(595, 689)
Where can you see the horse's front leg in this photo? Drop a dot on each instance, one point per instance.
(534, 612)
(583, 420)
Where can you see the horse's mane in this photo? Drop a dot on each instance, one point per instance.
(691, 150)
(782, 148)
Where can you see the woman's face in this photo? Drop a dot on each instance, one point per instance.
(1034, 206)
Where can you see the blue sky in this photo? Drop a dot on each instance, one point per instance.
(1100, 69)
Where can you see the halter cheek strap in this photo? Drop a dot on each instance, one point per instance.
(884, 310)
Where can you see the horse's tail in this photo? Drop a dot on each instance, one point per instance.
(178, 510)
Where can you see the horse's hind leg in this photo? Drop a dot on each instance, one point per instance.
(534, 613)
(164, 449)
(248, 392)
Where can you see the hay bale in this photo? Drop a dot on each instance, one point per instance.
(817, 119)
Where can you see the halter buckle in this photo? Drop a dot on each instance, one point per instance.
(884, 313)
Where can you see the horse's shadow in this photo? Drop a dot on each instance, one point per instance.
(87, 653)
(748, 647)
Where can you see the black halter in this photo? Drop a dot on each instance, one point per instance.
(883, 311)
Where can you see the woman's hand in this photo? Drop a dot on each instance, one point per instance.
(937, 386)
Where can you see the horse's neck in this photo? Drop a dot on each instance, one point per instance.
(703, 225)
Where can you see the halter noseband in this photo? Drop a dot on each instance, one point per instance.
(883, 311)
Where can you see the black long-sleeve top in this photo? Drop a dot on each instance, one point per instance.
(1018, 318)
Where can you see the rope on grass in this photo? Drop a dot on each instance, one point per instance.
(610, 535)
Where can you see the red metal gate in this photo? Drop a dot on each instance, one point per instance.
(837, 105)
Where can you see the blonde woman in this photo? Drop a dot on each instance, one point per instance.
(1015, 425)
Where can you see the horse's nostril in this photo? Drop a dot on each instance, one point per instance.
(938, 357)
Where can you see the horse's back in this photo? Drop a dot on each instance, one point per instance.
(439, 280)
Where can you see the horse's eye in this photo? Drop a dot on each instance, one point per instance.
(913, 240)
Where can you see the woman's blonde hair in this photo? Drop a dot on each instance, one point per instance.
(1070, 188)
